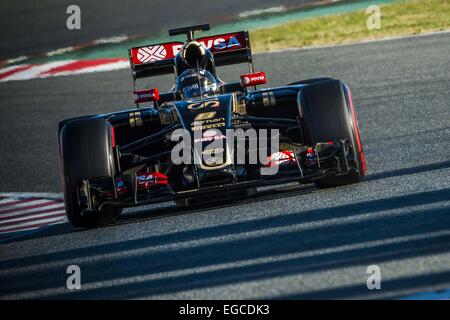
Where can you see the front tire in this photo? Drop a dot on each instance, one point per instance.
(85, 153)
(328, 115)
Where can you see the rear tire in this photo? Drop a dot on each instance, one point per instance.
(86, 152)
(328, 115)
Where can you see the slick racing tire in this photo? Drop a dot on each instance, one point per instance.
(85, 147)
(328, 115)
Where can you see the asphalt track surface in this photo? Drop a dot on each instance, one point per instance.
(291, 242)
(33, 27)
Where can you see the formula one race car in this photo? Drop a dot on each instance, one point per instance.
(206, 139)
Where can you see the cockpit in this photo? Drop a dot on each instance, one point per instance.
(196, 83)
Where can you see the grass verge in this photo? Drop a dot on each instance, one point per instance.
(401, 18)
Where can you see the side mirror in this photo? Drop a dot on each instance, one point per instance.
(145, 95)
(253, 79)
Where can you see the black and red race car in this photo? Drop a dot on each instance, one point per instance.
(206, 139)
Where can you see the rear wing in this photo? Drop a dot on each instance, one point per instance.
(158, 59)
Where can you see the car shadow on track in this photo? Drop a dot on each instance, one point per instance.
(408, 171)
(164, 264)
(276, 193)
(287, 191)
(139, 215)
(391, 289)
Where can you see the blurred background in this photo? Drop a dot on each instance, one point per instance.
(32, 26)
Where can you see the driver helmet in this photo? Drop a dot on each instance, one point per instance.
(194, 83)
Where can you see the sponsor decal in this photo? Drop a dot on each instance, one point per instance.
(278, 158)
(190, 87)
(208, 124)
(204, 104)
(220, 43)
(253, 79)
(151, 54)
(216, 44)
(210, 135)
(163, 51)
(146, 180)
(214, 161)
(213, 151)
(205, 116)
(135, 119)
(145, 95)
(121, 188)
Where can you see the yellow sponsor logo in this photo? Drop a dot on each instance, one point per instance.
(135, 119)
(205, 116)
(208, 126)
(205, 104)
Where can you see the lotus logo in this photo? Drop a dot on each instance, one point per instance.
(205, 104)
(205, 116)
(214, 161)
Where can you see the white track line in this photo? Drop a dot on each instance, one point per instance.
(119, 65)
(7, 69)
(258, 12)
(35, 217)
(9, 200)
(16, 60)
(6, 233)
(16, 213)
(115, 39)
(31, 223)
(49, 211)
(35, 71)
(59, 51)
(27, 195)
(23, 205)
